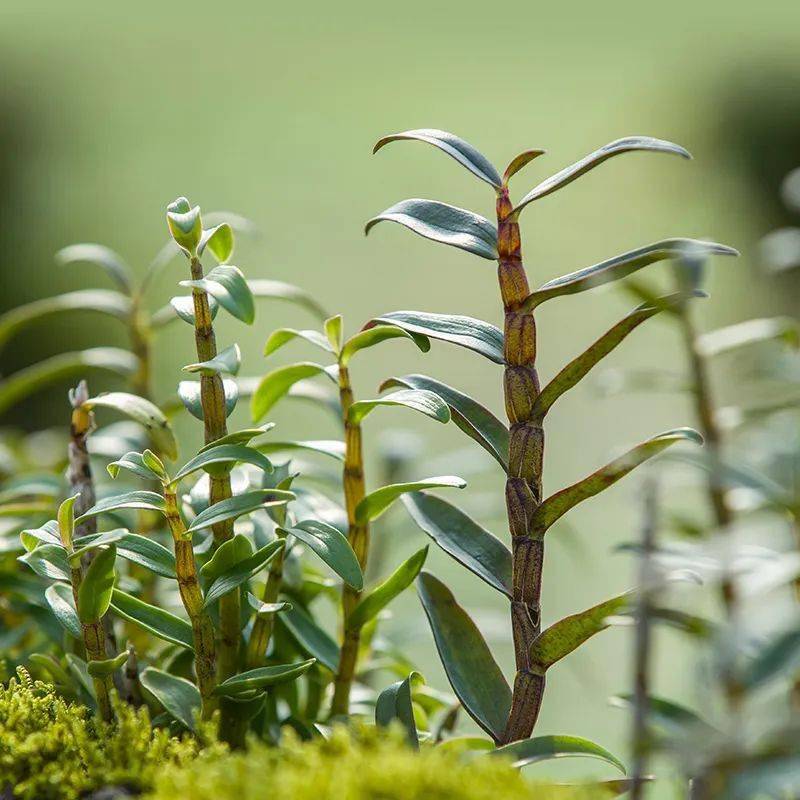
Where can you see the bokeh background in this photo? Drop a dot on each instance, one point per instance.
(110, 110)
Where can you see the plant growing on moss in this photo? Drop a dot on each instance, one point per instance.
(510, 716)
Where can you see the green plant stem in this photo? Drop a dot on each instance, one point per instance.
(141, 345)
(212, 396)
(263, 626)
(358, 536)
(192, 597)
(525, 461)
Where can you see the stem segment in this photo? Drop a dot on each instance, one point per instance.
(263, 626)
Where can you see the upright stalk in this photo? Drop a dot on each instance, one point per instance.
(212, 397)
(141, 346)
(358, 536)
(525, 461)
(264, 625)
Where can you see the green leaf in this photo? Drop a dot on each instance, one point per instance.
(779, 657)
(140, 550)
(619, 267)
(94, 593)
(672, 719)
(443, 223)
(278, 290)
(219, 241)
(375, 600)
(282, 336)
(377, 334)
(555, 506)
(274, 385)
(103, 301)
(224, 454)
(132, 462)
(263, 609)
(455, 147)
(471, 417)
(579, 367)
(227, 362)
(748, 333)
(243, 436)
(62, 367)
(261, 678)
(107, 666)
(48, 534)
(181, 307)
(329, 447)
(179, 697)
(333, 332)
(462, 538)
(311, 638)
(427, 403)
(471, 669)
(332, 547)
(185, 225)
(62, 604)
(160, 623)
(568, 174)
(48, 561)
(240, 573)
(518, 162)
(227, 555)
(375, 503)
(394, 703)
(543, 748)
(227, 284)
(190, 395)
(66, 520)
(95, 541)
(101, 256)
(145, 413)
(141, 499)
(474, 334)
(238, 505)
(564, 636)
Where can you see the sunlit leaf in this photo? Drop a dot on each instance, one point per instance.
(376, 334)
(132, 462)
(141, 550)
(48, 561)
(274, 385)
(225, 456)
(238, 505)
(227, 284)
(219, 241)
(427, 403)
(750, 332)
(395, 703)
(375, 503)
(99, 255)
(62, 603)
(261, 678)
(117, 502)
(181, 307)
(282, 336)
(518, 162)
(228, 362)
(278, 290)
(94, 593)
(329, 447)
(332, 547)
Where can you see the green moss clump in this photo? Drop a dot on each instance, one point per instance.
(54, 750)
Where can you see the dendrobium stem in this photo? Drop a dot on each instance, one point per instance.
(263, 625)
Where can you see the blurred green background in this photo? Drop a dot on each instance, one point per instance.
(110, 110)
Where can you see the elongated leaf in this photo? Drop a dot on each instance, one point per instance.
(543, 748)
(311, 638)
(282, 336)
(443, 223)
(261, 678)
(238, 505)
(672, 719)
(142, 499)
(377, 334)
(274, 385)
(224, 454)
(140, 550)
(750, 332)
(558, 504)
(189, 393)
(48, 534)
(62, 604)
(227, 284)
(219, 241)
(518, 162)
(96, 541)
(227, 555)
(471, 669)
(375, 503)
(48, 561)
(178, 696)
(779, 657)
(242, 572)
(427, 403)
(579, 367)
(181, 307)
(455, 147)
(620, 267)
(106, 666)
(278, 290)
(570, 173)
(474, 334)
(160, 623)
(103, 301)
(227, 362)
(329, 447)
(145, 413)
(394, 703)
(242, 437)
(564, 636)
(100, 255)
(375, 600)
(462, 538)
(132, 462)
(263, 609)
(471, 417)
(94, 593)
(332, 547)
(62, 367)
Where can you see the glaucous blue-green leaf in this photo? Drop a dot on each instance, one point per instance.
(141, 550)
(274, 385)
(543, 748)
(778, 657)
(99, 255)
(132, 462)
(181, 307)
(518, 162)
(238, 505)
(369, 337)
(241, 572)
(278, 290)
(375, 503)
(262, 677)
(443, 223)
(669, 718)
(241, 437)
(462, 538)
(474, 334)
(332, 547)
(227, 362)
(88, 544)
(748, 333)
(48, 561)
(227, 555)
(558, 504)
(619, 267)
(468, 662)
(395, 703)
(94, 593)
(227, 284)
(140, 499)
(51, 664)
(185, 225)
(455, 147)
(62, 603)
(422, 400)
(374, 600)
(107, 666)
(329, 447)
(310, 637)
(218, 240)
(189, 393)
(568, 174)
(221, 458)
(25, 382)
(282, 336)
(471, 417)
(160, 623)
(103, 301)
(179, 697)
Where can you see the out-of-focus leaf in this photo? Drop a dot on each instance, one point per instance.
(106, 666)
(189, 393)
(543, 748)
(377, 334)
(140, 550)
(422, 400)
(100, 255)
(241, 572)
(278, 290)
(471, 669)
(227, 362)
(140, 499)
(778, 657)
(178, 696)
(62, 604)
(258, 679)
(94, 593)
(671, 719)
(750, 332)
(462, 538)
(225, 456)
(274, 385)
(332, 547)
(282, 336)
(329, 447)
(394, 703)
(375, 503)
(443, 223)
(238, 505)
(157, 621)
(228, 285)
(311, 638)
